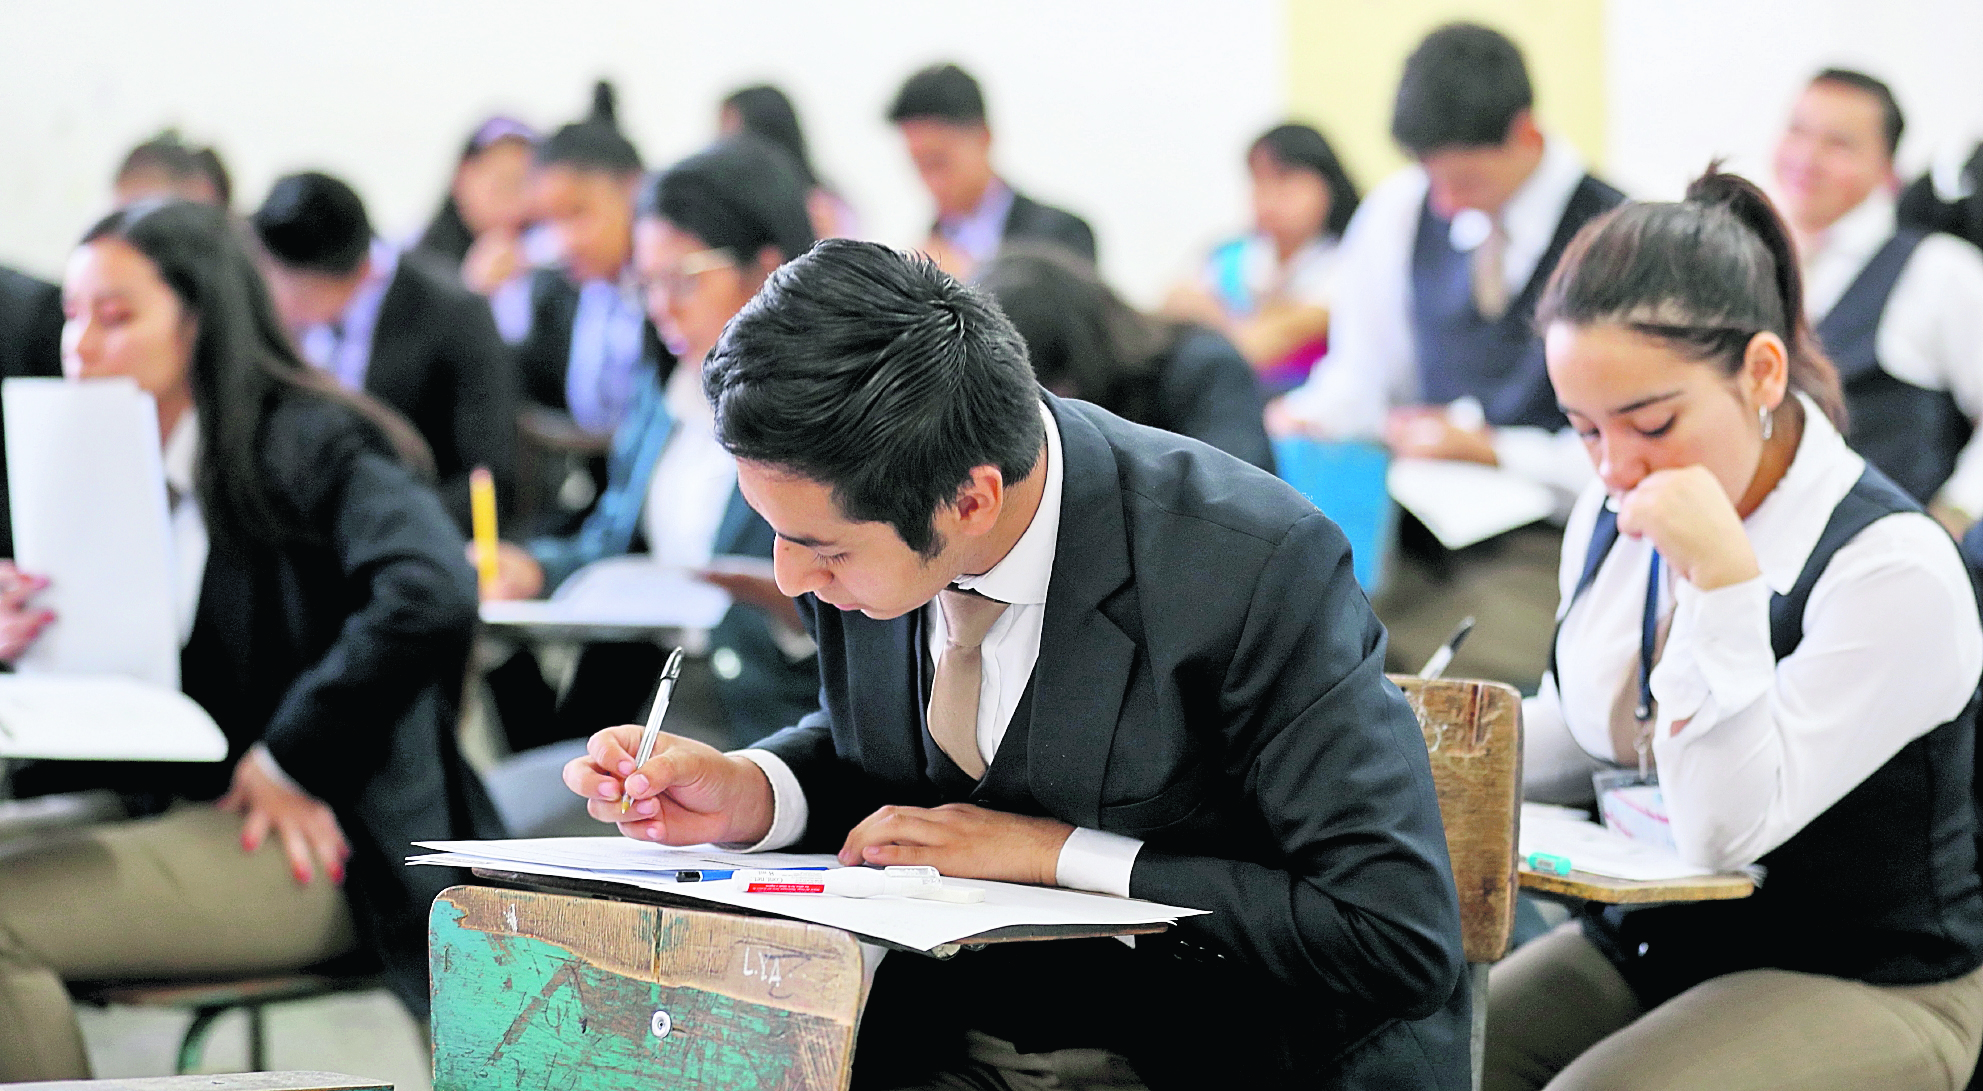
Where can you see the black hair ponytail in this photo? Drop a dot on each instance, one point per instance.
(1705, 274)
(605, 106)
(596, 143)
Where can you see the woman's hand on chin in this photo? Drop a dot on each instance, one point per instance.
(1693, 524)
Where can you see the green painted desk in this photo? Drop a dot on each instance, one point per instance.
(233, 1081)
(611, 987)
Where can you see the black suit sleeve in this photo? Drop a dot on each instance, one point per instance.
(1359, 907)
(1206, 390)
(404, 565)
(482, 384)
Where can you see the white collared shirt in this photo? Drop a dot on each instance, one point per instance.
(1892, 649)
(693, 479)
(187, 525)
(1931, 333)
(346, 351)
(1372, 365)
(1090, 859)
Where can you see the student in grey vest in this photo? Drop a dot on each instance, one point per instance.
(1784, 636)
(1899, 310)
(1436, 289)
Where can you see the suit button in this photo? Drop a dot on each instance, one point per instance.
(727, 664)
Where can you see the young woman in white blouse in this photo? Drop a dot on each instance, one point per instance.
(1793, 647)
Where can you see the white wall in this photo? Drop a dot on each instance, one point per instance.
(1693, 79)
(1133, 112)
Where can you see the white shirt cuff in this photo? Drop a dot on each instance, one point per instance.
(1553, 458)
(259, 754)
(1097, 861)
(1718, 648)
(788, 802)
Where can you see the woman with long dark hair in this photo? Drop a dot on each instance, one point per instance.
(1268, 290)
(766, 111)
(1780, 651)
(1086, 342)
(326, 612)
(479, 229)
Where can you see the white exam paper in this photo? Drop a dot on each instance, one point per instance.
(86, 484)
(910, 922)
(1466, 502)
(1590, 847)
(632, 592)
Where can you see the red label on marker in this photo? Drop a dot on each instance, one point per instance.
(785, 888)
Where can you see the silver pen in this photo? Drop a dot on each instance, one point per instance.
(1436, 666)
(652, 732)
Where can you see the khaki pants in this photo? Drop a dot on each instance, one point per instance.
(1508, 584)
(172, 896)
(1560, 1016)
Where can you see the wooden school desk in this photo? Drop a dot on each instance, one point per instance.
(242, 1081)
(1600, 888)
(610, 987)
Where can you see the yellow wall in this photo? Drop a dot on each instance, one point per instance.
(1344, 58)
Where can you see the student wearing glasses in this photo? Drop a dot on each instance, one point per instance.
(708, 232)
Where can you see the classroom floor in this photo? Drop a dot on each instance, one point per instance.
(357, 1034)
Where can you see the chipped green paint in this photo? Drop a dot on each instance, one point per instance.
(517, 1011)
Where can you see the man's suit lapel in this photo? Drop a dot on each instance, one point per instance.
(389, 365)
(1085, 658)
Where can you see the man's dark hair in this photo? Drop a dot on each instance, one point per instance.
(170, 155)
(1892, 123)
(941, 92)
(314, 223)
(1463, 87)
(878, 375)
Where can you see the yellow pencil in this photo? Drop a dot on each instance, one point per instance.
(482, 514)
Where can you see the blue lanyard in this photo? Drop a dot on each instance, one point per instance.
(1648, 632)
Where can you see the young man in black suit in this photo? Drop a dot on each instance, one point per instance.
(386, 323)
(940, 113)
(1059, 648)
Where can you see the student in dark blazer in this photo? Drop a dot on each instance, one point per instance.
(393, 325)
(325, 620)
(1085, 342)
(1147, 670)
(710, 229)
(940, 112)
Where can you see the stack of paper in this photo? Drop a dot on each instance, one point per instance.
(621, 592)
(908, 922)
(1590, 847)
(1466, 502)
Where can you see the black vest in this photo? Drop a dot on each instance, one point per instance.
(1005, 785)
(1882, 887)
(1909, 433)
(1499, 362)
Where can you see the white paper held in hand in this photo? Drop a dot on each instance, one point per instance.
(87, 489)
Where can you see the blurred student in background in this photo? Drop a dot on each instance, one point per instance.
(1085, 342)
(479, 229)
(167, 166)
(325, 613)
(710, 229)
(1432, 344)
(1268, 290)
(940, 112)
(393, 326)
(764, 110)
(587, 330)
(1900, 311)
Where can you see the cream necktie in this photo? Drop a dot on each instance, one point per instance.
(1490, 280)
(953, 711)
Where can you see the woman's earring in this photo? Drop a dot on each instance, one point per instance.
(1768, 419)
